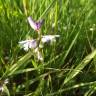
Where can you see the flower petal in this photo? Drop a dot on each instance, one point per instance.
(48, 38)
(27, 44)
(35, 25)
(32, 23)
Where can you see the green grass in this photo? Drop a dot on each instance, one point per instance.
(69, 66)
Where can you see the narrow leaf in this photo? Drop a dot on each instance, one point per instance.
(80, 66)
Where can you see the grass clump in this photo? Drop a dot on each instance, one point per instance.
(69, 63)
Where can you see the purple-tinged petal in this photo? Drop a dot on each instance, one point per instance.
(35, 25)
(27, 44)
(32, 23)
(39, 24)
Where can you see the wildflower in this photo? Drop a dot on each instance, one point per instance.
(27, 44)
(35, 25)
(2, 83)
(1, 88)
(48, 38)
(39, 55)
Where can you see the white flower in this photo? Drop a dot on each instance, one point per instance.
(1, 88)
(48, 38)
(39, 55)
(27, 44)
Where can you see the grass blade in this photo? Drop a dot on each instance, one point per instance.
(80, 66)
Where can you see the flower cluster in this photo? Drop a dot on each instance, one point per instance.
(33, 43)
